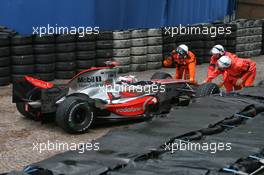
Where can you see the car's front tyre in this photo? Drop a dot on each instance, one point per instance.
(75, 115)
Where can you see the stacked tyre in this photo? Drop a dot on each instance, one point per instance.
(139, 50)
(262, 37)
(249, 38)
(22, 57)
(209, 42)
(121, 51)
(155, 48)
(104, 47)
(85, 54)
(65, 56)
(45, 57)
(169, 44)
(231, 38)
(5, 73)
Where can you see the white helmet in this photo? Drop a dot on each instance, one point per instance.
(184, 48)
(218, 49)
(224, 62)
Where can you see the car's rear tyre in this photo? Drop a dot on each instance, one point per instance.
(75, 115)
(160, 75)
(207, 89)
(32, 114)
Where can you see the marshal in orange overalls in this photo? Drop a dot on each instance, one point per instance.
(240, 69)
(185, 67)
(212, 72)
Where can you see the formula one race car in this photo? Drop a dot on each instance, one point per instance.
(98, 94)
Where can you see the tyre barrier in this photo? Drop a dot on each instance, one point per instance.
(5, 73)
(85, 52)
(249, 38)
(45, 57)
(139, 50)
(22, 56)
(126, 47)
(65, 45)
(121, 50)
(104, 47)
(155, 49)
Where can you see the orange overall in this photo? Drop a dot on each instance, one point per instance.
(185, 67)
(212, 72)
(244, 69)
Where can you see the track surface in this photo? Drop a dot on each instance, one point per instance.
(18, 134)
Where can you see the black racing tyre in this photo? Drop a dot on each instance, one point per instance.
(121, 35)
(85, 64)
(138, 67)
(154, 32)
(120, 44)
(21, 40)
(4, 51)
(85, 46)
(22, 50)
(140, 33)
(139, 50)
(65, 47)
(101, 61)
(65, 38)
(23, 60)
(136, 42)
(4, 61)
(4, 71)
(123, 69)
(121, 52)
(232, 121)
(168, 39)
(34, 94)
(154, 65)
(169, 47)
(105, 53)
(86, 38)
(4, 41)
(45, 58)
(75, 115)
(140, 59)
(154, 57)
(4, 81)
(155, 40)
(70, 56)
(46, 76)
(85, 55)
(160, 75)
(45, 68)
(22, 69)
(105, 35)
(155, 49)
(104, 44)
(122, 60)
(65, 66)
(207, 89)
(44, 48)
(64, 74)
(212, 130)
(44, 39)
